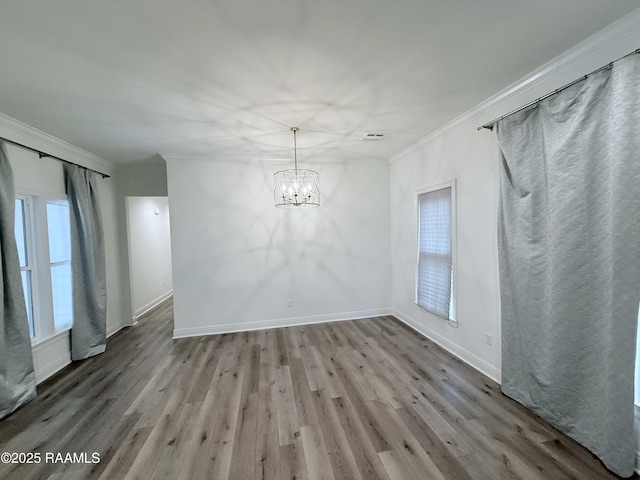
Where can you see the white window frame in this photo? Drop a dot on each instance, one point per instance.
(453, 320)
(636, 396)
(32, 261)
(38, 242)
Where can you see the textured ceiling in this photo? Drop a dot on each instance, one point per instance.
(126, 80)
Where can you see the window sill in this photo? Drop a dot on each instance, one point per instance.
(41, 342)
(450, 321)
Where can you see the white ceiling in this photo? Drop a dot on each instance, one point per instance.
(128, 79)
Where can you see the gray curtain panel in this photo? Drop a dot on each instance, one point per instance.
(89, 332)
(569, 254)
(17, 377)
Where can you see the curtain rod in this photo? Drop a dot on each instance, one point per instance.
(491, 124)
(42, 154)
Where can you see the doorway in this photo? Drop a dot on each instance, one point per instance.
(149, 245)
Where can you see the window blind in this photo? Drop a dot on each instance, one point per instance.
(435, 252)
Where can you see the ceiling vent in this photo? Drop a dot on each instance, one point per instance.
(373, 137)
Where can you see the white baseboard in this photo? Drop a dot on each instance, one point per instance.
(150, 306)
(115, 330)
(277, 323)
(637, 465)
(51, 356)
(52, 368)
(464, 355)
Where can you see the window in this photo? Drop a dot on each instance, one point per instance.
(43, 235)
(60, 262)
(435, 266)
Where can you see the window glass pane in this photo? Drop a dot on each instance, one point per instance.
(61, 292)
(28, 298)
(59, 232)
(20, 232)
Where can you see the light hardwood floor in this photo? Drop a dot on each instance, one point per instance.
(364, 399)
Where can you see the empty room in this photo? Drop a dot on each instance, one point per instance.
(319, 240)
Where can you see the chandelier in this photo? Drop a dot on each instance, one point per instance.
(297, 187)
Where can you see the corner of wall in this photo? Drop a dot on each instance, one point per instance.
(151, 305)
(454, 349)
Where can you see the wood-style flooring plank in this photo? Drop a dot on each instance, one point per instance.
(364, 453)
(288, 425)
(340, 454)
(400, 466)
(302, 394)
(316, 454)
(446, 462)
(292, 462)
(268, 457)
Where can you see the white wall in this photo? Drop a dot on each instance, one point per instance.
(459, 151)
(43, 176)
(470, 158)
(237, 259)
(149, 251)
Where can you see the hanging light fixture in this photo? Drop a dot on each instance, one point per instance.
(297, 187)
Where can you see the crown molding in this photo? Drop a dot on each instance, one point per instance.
(262, 160)
(612, 42)
(19, 132)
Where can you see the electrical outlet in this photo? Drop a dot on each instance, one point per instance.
(290, 303)
(488, 338)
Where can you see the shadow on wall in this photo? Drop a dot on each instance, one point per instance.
(245, 258)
